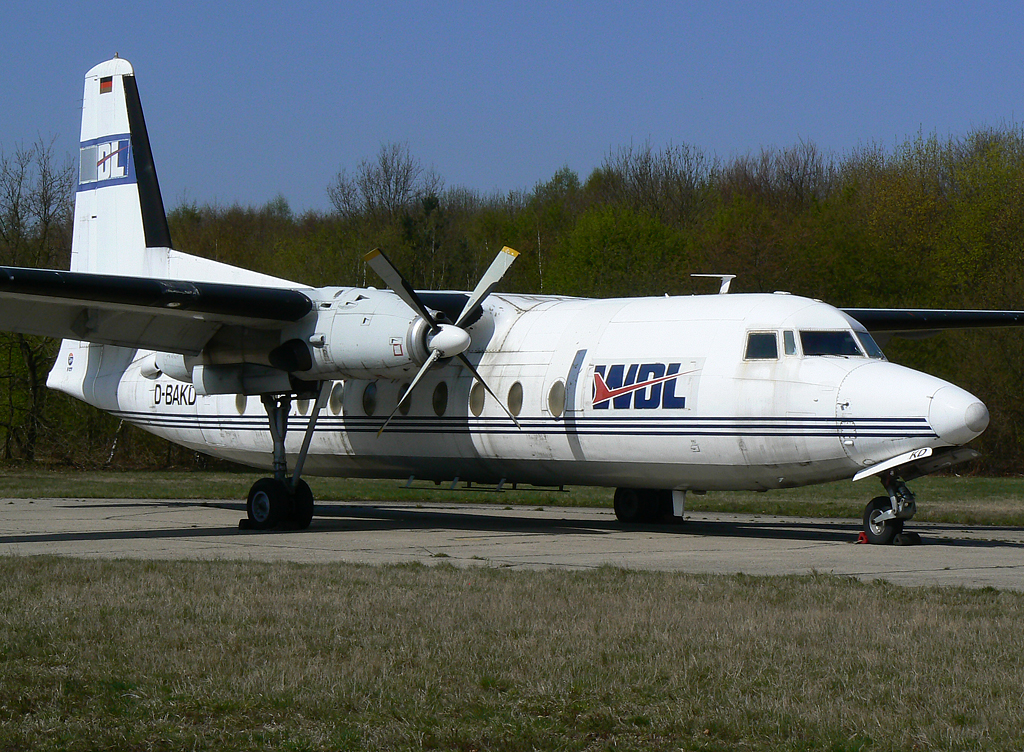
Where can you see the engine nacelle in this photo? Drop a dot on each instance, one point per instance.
(361, 334)
(371, 336)
(243, 378)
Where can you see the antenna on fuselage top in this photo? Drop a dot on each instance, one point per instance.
(726, 280)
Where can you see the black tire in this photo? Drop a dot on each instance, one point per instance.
(883, 532)
(629, 505)
(267, 504)
(659, 504)
(642, 505)
(302, 506)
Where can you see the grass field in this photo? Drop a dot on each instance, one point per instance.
(965, 500)
(204, 655)
(240, 656)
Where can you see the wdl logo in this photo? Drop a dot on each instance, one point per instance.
(641, 386)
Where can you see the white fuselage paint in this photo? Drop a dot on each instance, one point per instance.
(708, 419)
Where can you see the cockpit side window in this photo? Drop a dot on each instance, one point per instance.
(762, 346)
(789, 342)
(870, 346)
(840, 343)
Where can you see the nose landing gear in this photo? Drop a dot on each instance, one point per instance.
(884, 515)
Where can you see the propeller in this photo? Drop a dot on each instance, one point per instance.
(443, 340)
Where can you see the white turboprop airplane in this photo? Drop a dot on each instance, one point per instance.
(655, 397)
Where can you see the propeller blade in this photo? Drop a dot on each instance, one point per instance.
(472, 370)
(434, 357)
(394, 279)
(444, 341)
(488, 282)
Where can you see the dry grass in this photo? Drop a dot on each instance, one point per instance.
(220, 655)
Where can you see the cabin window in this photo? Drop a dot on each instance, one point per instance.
(870, 346)
(337, 397)
(476, 399)
(762, 346)
(405, 405)
(370, 398)
(515, 399)
(838, 343)
(556, 399)
(789, 342)
(440, 399)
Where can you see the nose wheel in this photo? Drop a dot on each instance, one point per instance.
(884, 515)
(879, 526)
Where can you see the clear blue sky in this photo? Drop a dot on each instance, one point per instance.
(248, 100)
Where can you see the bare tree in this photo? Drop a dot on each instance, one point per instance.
(35, 230)
(794, 177)
(666, 184)
(384, 187)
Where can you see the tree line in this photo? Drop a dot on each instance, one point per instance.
(932, 222)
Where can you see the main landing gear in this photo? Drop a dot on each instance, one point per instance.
(648, 505)
(282, 501)
(884, 515)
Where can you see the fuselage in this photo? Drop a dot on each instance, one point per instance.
(694, 393)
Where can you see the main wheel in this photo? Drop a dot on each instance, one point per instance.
(267, 504)
(633, 505)
(302, 506)
(659, 503)
(882, 531)
(629, 505)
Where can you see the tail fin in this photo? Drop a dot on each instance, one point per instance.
(120, 224)
(118, 208)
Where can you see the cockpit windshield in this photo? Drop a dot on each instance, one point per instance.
(838, 343)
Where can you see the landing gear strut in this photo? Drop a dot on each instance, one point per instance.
(282, 501)
(884, 515)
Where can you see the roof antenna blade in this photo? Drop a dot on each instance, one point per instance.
(726, 280)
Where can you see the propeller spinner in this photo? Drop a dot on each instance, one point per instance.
(443, 340)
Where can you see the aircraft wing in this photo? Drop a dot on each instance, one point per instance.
(164, 315)
(922, 321)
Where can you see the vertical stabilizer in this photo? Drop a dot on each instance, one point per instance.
(121, 228)
(118, 209)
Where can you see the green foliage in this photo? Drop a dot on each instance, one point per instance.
(614, 248)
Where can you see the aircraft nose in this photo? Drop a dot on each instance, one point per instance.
(957, 416)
